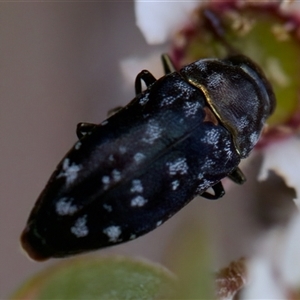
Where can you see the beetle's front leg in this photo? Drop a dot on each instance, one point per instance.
(219, 192)
(167, 64)
(147, 77)
(237, 176)
(84, 128)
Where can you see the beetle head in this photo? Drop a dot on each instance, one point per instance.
(238, 92)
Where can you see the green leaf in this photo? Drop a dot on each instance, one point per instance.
(99, 278)
(189, 256)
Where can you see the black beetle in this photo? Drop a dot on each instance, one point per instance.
(128, 175)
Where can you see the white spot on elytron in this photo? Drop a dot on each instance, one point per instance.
(144, 99)
(138, 201)
(203, 186)
(80, 229)
(243, 123)
(69, 171)
(122, 149)
(228, 151)
(254, 138)
(111, 158)
(202, 65)
(113, 233)
(200, 175)
(168, 100)
(136, 186)
(104, 123)
(64, 207)
(77, 145)
(116, 175)
(158, 223)
(179, 166)
(208, 164)
(132, 237)
(175, 184)
(182, 90)
(211, 137)
(107, 207)
(106, 179)
(215, 80)
(138, 157)
(152, 133)
(191, 108)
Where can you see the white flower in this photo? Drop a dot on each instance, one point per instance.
(284, 159)
(276, 269)
(160, 20)
(274, 273)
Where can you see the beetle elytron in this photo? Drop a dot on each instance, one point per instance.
(174, 140)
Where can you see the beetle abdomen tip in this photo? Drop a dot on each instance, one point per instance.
(33, 246)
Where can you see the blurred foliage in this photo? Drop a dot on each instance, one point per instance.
(264, 33)
(99, 278)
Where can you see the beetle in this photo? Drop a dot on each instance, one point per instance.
(177, 138)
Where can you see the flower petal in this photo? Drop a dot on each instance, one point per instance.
(274, 272)
(261, 281)
(290, 261)
(158, 20)
(284, 159)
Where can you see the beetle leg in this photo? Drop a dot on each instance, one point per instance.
(84, 128)
(219, 192)
(167, 64)
(237, 176)
(147, 77)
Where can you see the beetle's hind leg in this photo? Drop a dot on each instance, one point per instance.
(145, 76)
(84, 128)
(219, 192)
(167, 64)
(237, 176)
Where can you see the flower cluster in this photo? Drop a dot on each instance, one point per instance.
(269, 33)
